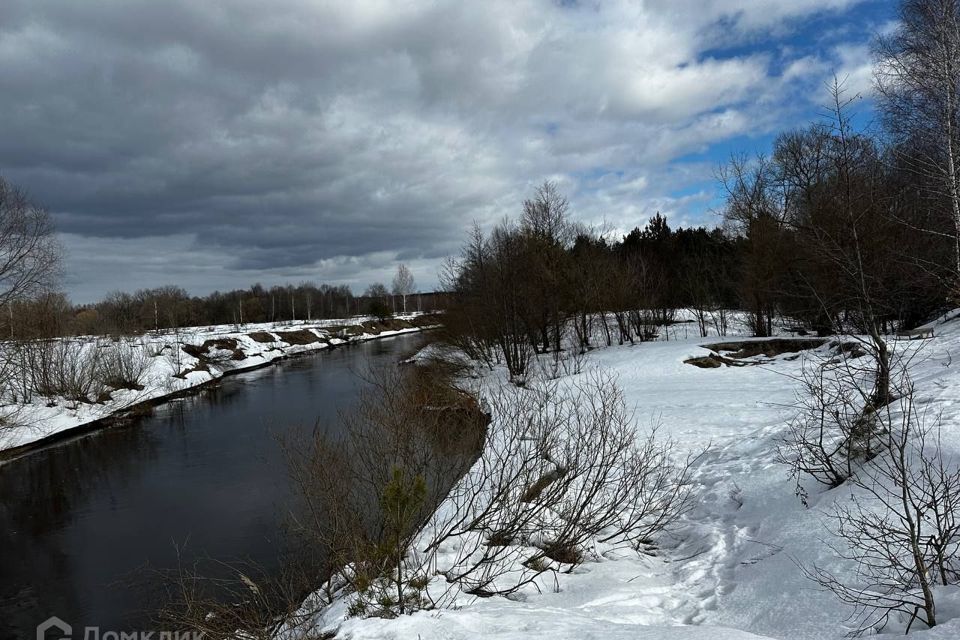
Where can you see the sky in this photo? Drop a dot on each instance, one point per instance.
(216, 144)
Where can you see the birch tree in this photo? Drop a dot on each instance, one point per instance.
(403, 284)
(918, 79)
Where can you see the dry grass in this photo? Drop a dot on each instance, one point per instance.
(204, 355)
(345, 331)
(298, 337)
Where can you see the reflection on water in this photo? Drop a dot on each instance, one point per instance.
(80, 522)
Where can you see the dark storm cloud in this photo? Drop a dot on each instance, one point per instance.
(212, 143)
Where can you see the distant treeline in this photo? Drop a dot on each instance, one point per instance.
(52, 314)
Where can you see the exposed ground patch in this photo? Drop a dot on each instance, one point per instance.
(215, 351)
(298, 337)
(392, 324)
(769, 348)
(738, 353)
(345, 331)
(713, 361)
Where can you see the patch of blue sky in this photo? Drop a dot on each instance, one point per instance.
(811, 35)
(820, 39)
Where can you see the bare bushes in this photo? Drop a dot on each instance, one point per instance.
(364, 488)
(368, 488)
(567, 361)
(123, 364)
(75, 370)
(224, 602)
(899, 530)
(60, 368)
(562, 468)
(835, 428)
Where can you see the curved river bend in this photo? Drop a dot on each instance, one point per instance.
(84, 521)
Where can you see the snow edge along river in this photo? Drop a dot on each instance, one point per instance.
(184, 361)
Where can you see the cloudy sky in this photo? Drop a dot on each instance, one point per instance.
(215, 144)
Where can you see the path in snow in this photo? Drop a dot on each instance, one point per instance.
(738, 413)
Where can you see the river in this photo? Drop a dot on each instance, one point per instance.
(87, 524)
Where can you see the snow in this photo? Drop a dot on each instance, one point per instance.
(505, 620)
(732, 570)
(46, 417)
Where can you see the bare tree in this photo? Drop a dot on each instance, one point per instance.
(834, 430)
(900, 529)
(833, 185)
(494, 315)
(30, 258)
(546, 215)
(918, 80)
(403, 284)
(545, 234)
(756, 209)
(30, 255)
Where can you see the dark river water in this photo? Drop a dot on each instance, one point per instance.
(84, 524)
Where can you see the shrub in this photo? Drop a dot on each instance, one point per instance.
(834, 430)
(61, 368)
(562, 469)
(900, 530)
(380, 310)
(368, 489)
(123, 364)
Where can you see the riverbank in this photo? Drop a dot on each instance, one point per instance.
(177, 363)
(732, 566)
(201, 485)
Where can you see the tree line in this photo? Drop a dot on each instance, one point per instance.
(32, 305)
(49, 313)
(833, 230)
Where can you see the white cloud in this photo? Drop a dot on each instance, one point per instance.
(854, 68)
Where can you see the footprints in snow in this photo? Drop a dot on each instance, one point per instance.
(719, 544)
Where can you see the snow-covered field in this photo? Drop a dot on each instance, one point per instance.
(730, 571)
(166, 356)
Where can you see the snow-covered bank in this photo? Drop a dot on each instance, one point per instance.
(176, 362)
(731, 569)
